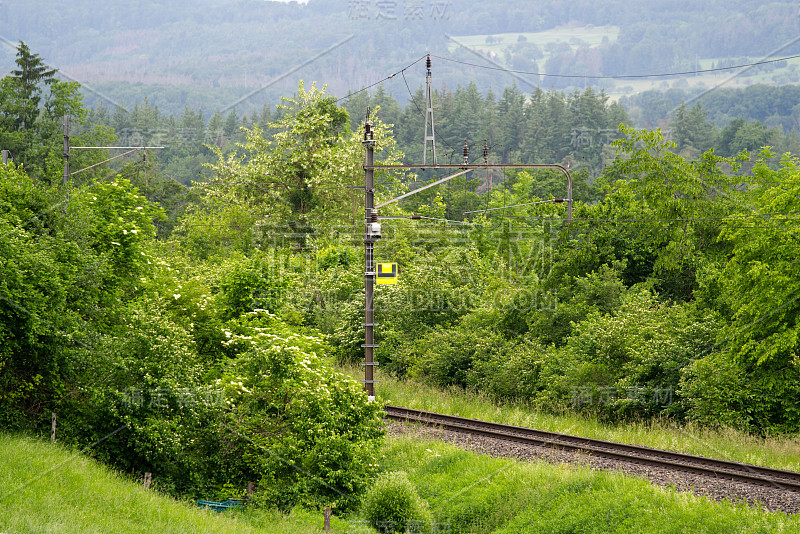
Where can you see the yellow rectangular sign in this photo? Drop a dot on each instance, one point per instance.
(387, 273)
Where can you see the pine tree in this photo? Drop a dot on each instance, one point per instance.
(31, 71)
(231, 125)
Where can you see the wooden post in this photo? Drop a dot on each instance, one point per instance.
(251, 488)
(53, 429)
(148, 478)
(327, 526)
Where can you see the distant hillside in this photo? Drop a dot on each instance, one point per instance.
(252, 46)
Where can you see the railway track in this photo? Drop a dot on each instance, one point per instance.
(718, 469)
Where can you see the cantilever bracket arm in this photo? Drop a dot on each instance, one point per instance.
(415, 191)
(466, 168)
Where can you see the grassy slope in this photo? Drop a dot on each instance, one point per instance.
(572, 35)
(727, 444)
(45, 488)
(592, 36)
(473, 493)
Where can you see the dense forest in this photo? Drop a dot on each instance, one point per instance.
(575, 128)
(654, 35)
(211, 53)
(190, 328)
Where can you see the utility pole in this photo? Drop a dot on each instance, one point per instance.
(429, 117)
(66, 149)
(372, 226)
(5, 157)
(372, 232)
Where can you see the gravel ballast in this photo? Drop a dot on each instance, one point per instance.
(767, 498)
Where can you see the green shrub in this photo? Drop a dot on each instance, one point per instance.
(348, 335)
(472, 354)
(393, 505)
(447, 355)
(333, 295)
(307, 434)
(338, 255)
(145, 378)
(65, 276)
(599, 291)
(719, 391)
(513, 371)
(714, 391)
(627, 364)
(251, 283)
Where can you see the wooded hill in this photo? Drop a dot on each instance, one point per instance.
(240, 46)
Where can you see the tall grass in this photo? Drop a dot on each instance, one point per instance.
(726, 444)
(46, 488)
(479, 494)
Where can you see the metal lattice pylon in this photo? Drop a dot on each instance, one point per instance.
(429, 118)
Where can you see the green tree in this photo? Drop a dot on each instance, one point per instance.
(691, 131)
(307, 432)
(31, 71)
(12, 108)
(489, 121)
(68, 264)
(30, 127)
(298, 177)
(511, 108)
(741, 135)
(686, 199)
(231, 126)
(762, 289)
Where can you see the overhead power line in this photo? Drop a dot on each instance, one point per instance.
(621, 76)
(370, 86)
(756, 217)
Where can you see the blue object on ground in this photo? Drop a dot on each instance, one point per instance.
(221, 506)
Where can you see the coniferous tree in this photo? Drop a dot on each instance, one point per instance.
(31, 71)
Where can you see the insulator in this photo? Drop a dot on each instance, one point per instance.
(368, 135)
(485, 152)
(429, 62)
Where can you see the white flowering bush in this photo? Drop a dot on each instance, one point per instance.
(304, 432)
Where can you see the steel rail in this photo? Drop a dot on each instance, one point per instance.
(737, 471)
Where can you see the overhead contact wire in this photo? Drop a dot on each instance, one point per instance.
(621, 76)
(401, 71)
